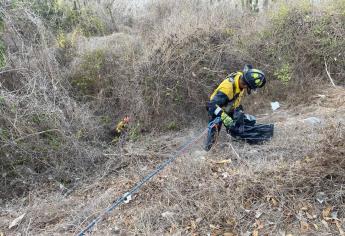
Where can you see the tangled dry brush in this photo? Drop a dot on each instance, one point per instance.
(71, 69)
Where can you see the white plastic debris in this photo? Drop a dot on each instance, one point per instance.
(322, 96)
(334, 215)
(313, 120)
(275, 105)
(16, 221)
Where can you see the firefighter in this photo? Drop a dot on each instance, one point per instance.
(120, 128)
(227, 97)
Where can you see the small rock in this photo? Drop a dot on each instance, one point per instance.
(322, 96)
(248, 233)
(168, 214)
(62, 187)
(313, 120)
(116, 230)
(281, 233)
(258, 214)
(225, 175)
(321, 197)
(200, 154)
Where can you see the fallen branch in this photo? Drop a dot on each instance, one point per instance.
(329, 75)
(28, 136)
(11, 70)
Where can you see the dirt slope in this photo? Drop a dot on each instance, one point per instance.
(291, 185)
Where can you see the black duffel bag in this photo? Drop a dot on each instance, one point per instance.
(246, 129)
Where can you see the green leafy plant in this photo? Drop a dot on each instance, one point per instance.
(4, 134)
(86, 80)
(63, 16)
(284, 73)
(53, 139)
(134, 132)
(2, 101)
(172, 126)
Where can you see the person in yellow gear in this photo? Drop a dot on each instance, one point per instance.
(120, 128)
(227, 97)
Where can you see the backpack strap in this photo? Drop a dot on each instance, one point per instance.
(228, 107)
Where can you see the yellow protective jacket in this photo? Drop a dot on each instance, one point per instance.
(120, 127)
(227, 95)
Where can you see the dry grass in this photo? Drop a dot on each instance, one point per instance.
(60, 94)
(272, 188)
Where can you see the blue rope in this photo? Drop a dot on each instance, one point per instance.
(136, 188)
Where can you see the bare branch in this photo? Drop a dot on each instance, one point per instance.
(329, 75)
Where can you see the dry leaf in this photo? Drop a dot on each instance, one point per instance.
(310, 217)
(326, 212)
(325, 224)
(256, 232)
(213, 226)
(172, 229)
(16, 221)
(273, 200)
(304, 226)
(223, 161)
(193, 225)
(228, 234)
(341, 232)
(259, 224)
(316, 227)
(231, 221)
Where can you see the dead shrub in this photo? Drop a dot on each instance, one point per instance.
(44, 133)
(56, 106)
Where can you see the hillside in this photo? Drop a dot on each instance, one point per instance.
(70, 70)
(292, 185)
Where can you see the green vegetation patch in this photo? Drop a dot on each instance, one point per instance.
(2, 44)
(61, 15)
(134, 132)
(284, 73)
(87, 79)
(4, 134)
(53, 139)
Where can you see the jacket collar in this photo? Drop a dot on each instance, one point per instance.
(237, 83)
